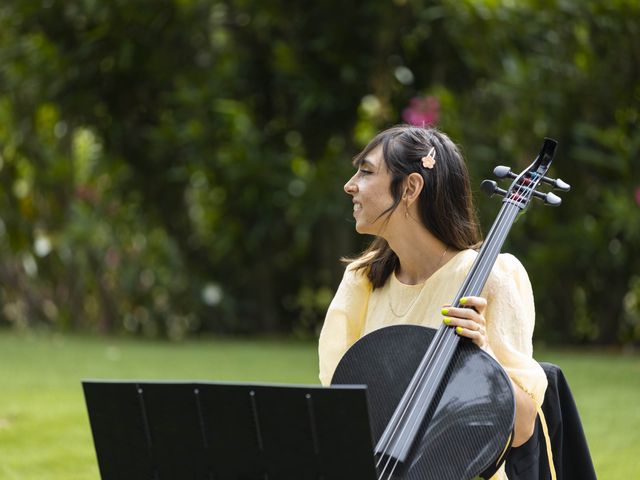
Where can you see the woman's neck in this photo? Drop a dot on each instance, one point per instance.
(420, 254)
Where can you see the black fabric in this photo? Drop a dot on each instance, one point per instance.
(524, 462)
(569, 447)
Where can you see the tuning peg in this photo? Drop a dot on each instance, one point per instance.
(549, 198)
(557, 183)
(490, 187)
(502, 172)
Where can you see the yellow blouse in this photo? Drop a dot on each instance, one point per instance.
(357, 309)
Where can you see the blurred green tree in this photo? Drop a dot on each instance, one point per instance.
(177, 166)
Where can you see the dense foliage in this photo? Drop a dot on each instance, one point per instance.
(176, 166)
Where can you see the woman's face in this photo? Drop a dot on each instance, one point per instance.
(369, 189)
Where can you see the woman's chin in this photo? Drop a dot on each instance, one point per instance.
(363, 229)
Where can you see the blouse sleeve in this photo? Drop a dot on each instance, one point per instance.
(344, 322)
(510, 318)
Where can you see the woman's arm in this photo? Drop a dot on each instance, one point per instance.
(344, 321)
(526, 414)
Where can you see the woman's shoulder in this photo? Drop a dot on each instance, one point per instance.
(508, 273)
(355, 272)
(354, 287)
(510, 265)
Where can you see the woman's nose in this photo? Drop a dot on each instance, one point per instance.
(350, 187)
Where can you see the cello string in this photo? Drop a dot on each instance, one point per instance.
(450, 342)
(444, 344)
(393, 470)
(385, 469)
(443, 347)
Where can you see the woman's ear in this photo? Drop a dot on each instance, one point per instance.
(413, 185)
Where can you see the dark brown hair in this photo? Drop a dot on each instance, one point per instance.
(445, 204)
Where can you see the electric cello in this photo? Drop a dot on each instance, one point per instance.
(440, 407)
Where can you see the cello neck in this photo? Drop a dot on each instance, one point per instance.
(481, 268)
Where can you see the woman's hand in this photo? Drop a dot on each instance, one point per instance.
(469, 321)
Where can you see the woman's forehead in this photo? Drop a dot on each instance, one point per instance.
(372, 157)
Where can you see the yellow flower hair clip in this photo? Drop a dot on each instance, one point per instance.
(429, 160)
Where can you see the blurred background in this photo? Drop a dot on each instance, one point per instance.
(175, 167)
(171, 200)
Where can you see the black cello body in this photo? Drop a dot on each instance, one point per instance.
(469, 429)
(440, 407)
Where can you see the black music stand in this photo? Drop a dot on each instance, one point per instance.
(223, 431)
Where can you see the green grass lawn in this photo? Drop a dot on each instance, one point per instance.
(45, 434)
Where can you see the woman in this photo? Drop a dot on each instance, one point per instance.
(412, 192)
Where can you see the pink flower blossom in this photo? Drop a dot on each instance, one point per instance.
(638, 195)
(422, 111)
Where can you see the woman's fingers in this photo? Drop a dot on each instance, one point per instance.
(473, 310)
(468, 321)
(475, 336)
(476, 303)
(453, 321)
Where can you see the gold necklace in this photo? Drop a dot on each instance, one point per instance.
(400, 315)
